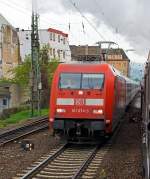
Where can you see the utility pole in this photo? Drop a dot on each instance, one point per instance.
(35, 66)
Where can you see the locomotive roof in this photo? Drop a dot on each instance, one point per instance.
(68, 66)
(103, 65)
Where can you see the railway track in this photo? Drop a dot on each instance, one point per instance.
(23, 131)
(69, 161)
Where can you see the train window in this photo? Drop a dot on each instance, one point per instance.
(92, 81)
(70, 81)
(81, 81)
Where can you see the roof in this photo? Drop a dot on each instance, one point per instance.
(78, 51)
(49, 30)
(87, 67)
(91, 67)
(58, 32)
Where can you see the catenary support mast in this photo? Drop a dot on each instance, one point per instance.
(35, 67)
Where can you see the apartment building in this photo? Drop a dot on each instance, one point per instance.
(115, 57)
(56, 40)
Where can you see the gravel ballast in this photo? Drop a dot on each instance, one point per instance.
(122, 161)
(14, 159)
(124, 158)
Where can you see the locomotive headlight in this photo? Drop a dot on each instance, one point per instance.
(51, 119)
(98, 111)
(107, 121)
(60, 110)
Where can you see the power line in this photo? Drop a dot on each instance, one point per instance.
(13, 6)
(112, 25)
(103, 14)
(23, 7)
(27, 11)
(24, 10)
(73, 4)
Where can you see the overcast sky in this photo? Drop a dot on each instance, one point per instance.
(124, 21)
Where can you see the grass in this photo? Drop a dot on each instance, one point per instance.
(20, 117)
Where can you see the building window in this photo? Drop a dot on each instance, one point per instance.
(58, 51)
(27, 36)
(50, 51)
(53, 36)
(64, 40)
(54, 52)
(63, 54)
(59, 38)
(4, 102)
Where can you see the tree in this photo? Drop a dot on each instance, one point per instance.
(21, 73)
(48, 68)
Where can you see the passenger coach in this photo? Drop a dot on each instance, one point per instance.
(88, 100)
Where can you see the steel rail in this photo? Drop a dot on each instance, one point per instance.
(58, 163)
(41, 120)
(85, 164)
(23, 135)
(22, 131)
(44, 163)
(43, 168)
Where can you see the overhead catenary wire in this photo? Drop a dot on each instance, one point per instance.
(71, 27)
(27, 11)
(88, 21)
(103, 14)
(12, 5)
(108, 20)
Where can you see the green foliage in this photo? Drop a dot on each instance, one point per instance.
(22, 72)
(51, 69)
(47, 70)
(5, 81)
(48, 66)
(20, 117)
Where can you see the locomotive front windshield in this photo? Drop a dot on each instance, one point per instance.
(81, 81)
(70, 81)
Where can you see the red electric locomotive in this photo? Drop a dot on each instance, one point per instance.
(88, 100)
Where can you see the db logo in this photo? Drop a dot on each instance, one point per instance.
(79, 101)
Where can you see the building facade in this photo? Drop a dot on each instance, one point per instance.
(3, 23)
(9, 48)
(10, 51)
(4, 96)
(9, 58)
(115, 57)
(56, 40)
(118, 59)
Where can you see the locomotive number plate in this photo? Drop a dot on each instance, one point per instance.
(79, 101)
